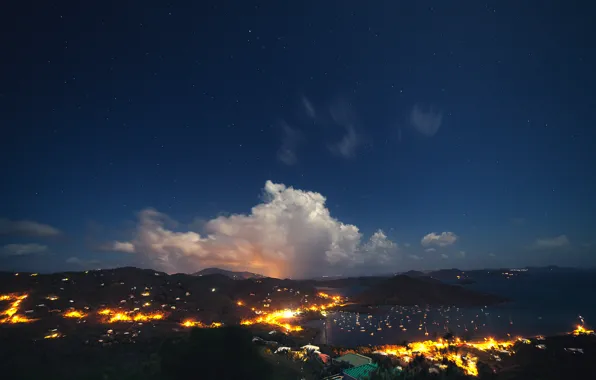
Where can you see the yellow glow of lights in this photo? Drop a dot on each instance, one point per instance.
(10, 314)
(193, 323)
(435, 351)
(581, 330)
(75, 314)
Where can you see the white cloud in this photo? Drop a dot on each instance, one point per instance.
(407, 245)
(309, 108)
(444, 256)
(554, 242)
(442, 240)
(415, 257)
(379, 247)
(492, 254)
(430, 250)
(461, 254)
(290, 234)
(427, 122)
(120, 246)
(290, 140)
(26, 228)
(23, 249)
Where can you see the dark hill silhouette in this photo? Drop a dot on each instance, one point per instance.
(365, 281)
(406, 290)
(230, 274)
(414, 273)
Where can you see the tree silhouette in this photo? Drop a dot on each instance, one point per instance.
(225, 353)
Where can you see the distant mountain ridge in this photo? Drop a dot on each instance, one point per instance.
(228, 273)
(406, 290)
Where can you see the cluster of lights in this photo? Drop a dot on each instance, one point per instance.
(437, 351)
(581, 330)
(280, 317)
(193, 323)
(114, 316)
(10, 315)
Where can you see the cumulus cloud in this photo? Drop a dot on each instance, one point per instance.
(26, 228)
(554, 242)
(427, 121)
(379, 248)
(441, 240)
(290, 140)
(290, 234)
(23, 249)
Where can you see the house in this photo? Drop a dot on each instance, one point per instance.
(310, 347)
(354, 359)
(324, 358)
(360, 372)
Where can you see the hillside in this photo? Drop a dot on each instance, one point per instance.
(406, 290)
(230, 274)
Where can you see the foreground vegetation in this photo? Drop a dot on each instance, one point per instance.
(230, 353)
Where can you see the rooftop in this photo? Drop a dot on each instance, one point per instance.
(360, 372)
(354, 359)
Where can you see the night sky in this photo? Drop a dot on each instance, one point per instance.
(298, 138)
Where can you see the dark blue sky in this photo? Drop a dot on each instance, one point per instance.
(472, 119)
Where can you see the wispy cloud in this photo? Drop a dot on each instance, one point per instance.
(444, 256)
(518, 221)
(426, 120)
(443, 239)
(430, 250)
(82, 263)
(552, 242)
(343, 116)
(23, 249)
(290, 140)
(348, 144)
(309, 108)
(415, 257)
(26, 228)
(461, 254)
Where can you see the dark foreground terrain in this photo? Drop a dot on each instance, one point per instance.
(230, 353)
(54, 327)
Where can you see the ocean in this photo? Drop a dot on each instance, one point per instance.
(542, 304)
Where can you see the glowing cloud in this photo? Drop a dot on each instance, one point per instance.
(290, 234)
